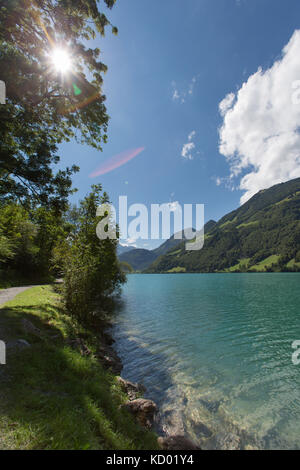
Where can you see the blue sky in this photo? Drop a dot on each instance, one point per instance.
(170, 66)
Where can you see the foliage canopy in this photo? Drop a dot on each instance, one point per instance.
(44, 107)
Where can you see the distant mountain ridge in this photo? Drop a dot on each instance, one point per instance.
(123, 249)
(262, 235)
(140, 259)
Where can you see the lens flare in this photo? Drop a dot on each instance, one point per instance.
(116, 161)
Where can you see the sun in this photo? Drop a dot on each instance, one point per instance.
(61, 60)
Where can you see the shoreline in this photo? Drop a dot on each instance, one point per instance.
(145, 411)
(171, 430)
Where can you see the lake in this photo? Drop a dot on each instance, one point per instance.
(215, 353)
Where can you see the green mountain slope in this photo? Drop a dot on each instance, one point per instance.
(262, 235)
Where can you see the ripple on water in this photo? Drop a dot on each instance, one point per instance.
(214, 351)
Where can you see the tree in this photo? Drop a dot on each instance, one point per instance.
(18, 234)
(28, 240)
(90, 266)
(45, 107)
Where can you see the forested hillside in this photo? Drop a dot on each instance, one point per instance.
(262, 235)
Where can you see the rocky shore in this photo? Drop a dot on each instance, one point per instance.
(143, 410)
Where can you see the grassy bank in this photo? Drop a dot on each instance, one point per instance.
(53, 397)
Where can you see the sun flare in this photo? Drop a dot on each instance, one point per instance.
(61, 60)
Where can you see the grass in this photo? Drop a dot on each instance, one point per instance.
(293, 264)
(177, 269)
(262, 265)
(52, 397)
(228, 222)
(248, 224)
(173, 253)
(240, 266)
(288, 199)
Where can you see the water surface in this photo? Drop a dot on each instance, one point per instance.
(214, 352)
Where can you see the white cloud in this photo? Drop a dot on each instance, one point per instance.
(176, 95)
(181, 95)
(129, 242)
(191, 136)
(226, 103)
(260, 135)
(191, 86)
(174, 206)
(187, 149)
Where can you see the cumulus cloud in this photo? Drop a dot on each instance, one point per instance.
(226, 103)
(260, 134)
(187, 149)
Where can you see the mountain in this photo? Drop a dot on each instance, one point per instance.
(262, 235)
(141, 259)
(123, 249)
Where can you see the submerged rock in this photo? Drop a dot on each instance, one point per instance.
(176, 443)
(143, 410)
(132, 390)
(173, 424)
(200, 429)
(229, 441)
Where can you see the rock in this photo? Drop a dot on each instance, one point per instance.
(79, 344)
(211, 406)
(109, 359)
(112, 363)
(143, 410)
(176, 443)
(132, 390)
(200, 429)
(108, 339)
(173, 423)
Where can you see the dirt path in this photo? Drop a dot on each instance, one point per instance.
(10, 294)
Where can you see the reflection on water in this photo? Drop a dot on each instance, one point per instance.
(214, 352)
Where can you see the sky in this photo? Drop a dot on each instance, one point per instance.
(200, 93)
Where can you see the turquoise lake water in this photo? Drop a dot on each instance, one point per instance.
(215, 353)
